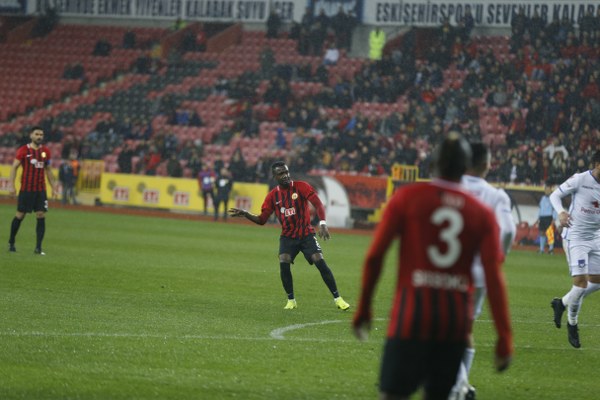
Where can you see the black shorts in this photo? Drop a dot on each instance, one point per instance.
(32, 201)
(410, 364)
(307, 245)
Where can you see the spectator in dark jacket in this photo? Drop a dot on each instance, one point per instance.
(273, 24)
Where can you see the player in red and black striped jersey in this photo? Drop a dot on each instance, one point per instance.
(441, 229)
(289, 200)
(34, 159)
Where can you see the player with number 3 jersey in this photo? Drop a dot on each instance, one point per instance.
(441, 229)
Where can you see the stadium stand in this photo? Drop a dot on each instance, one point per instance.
(333, 117)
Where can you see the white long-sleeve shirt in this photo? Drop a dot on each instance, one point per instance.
(585, 206)
(499, 202)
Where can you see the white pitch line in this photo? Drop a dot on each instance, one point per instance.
(154, 336)
(255, 339)
(529, 322)
(278, 333)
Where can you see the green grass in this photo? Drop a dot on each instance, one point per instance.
(129, 307)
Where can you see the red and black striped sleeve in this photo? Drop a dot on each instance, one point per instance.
(266, 209)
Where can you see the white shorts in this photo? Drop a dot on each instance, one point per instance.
(583, 257)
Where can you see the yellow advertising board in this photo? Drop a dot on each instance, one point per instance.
(173, 193)
(4, 181)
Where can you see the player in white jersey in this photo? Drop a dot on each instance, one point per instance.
(497, 199)
(581, 241)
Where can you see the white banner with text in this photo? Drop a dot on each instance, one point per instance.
(485, 13)
(189, 10)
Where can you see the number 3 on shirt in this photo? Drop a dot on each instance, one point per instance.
(448, 235)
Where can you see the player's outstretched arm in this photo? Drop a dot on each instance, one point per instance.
(491, 258)
(238, 212)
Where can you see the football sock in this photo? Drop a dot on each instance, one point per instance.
(327, 276)
(286, 279)
(14, 228)
(574, 298)
(40, 230)
(461, 378)
(591, 288)
(468, 359)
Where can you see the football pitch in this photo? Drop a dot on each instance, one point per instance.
(132, 307)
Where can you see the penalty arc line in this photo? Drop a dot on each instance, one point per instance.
(278, 333)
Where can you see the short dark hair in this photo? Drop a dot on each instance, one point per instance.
(277, 164)
(596, 157)
(452, 157)
(36, 128)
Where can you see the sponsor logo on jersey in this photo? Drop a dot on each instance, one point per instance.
(584, 210)
(36, 163)
(288, 212)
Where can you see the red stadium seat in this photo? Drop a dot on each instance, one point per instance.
(522, 232)
(533, 233)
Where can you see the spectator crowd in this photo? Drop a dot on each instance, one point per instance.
(544, 93)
